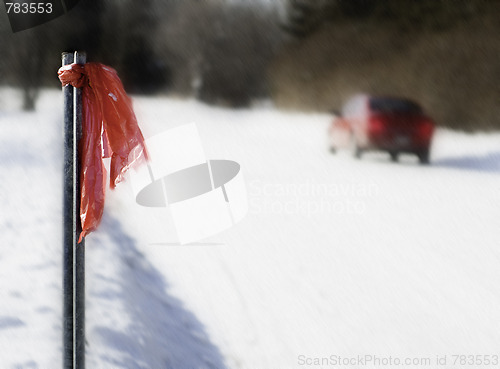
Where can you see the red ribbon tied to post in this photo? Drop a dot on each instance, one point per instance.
(109, 129)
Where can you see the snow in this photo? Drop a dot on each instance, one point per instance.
(336, 256)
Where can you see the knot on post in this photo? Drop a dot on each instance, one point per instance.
(73, 74)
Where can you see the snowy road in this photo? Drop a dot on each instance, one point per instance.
(337, 257)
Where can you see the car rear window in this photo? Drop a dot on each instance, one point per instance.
(387, 105)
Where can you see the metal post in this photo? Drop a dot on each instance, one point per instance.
(68, 221)
(73, 253)
(79, 248)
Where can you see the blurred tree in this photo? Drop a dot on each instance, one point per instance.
(428, 14)
(4, 35)
(237, 55)
(24, 63)
(302, 17)
(181, 41)
(82, 28)
(220, 52)
(142, 69)
(357, 8)
(32, 56)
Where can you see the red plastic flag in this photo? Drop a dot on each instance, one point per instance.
(109, 120)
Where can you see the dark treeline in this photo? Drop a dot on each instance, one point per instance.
(306, 54)
(305, 16)
(442, 53)
(215, 50)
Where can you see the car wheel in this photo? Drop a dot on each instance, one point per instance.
(423, 156)
(355, 149)
(394, 155)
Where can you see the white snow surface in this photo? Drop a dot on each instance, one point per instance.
(337, 257)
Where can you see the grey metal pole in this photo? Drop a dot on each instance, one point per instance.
(73, 252)
(79, 248)
(68, 221)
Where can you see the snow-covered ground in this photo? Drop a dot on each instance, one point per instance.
(336, 258)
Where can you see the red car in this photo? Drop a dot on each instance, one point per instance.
(390, 124)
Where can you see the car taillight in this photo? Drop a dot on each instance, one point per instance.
(376, 125)
(425, 129)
